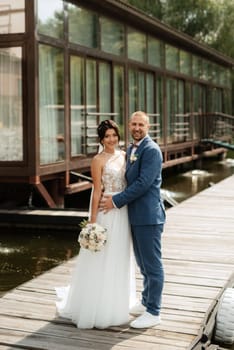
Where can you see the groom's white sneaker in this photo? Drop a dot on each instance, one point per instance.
(146, 320)
(137, 309)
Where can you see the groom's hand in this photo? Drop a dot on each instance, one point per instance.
(106, 203)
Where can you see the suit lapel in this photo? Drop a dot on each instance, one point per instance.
(129, 150)
(138, 151)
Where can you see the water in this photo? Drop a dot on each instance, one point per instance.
(26, 253)
(188, 182)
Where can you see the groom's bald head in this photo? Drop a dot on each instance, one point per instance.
(139, 125)
(140, 114)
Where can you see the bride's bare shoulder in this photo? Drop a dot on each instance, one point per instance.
(99, 157)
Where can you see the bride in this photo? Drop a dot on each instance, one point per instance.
(102, 286)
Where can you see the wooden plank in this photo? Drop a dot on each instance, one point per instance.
(44, 330)
(78, 187)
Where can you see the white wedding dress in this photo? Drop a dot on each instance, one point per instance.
(102, 287)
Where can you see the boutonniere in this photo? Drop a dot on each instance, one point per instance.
(133, 157)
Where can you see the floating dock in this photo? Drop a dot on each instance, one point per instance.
(42, 218)
(199, 263)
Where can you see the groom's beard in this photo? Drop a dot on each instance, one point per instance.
(137, 136)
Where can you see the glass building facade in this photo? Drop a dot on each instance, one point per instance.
(67, 65)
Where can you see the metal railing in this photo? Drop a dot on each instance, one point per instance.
(183, 128)
(218, 126)
(193, 126)
(90, 127)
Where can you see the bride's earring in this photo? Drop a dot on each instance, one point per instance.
(100, 148)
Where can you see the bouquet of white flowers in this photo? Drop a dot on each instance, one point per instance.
(92, 236)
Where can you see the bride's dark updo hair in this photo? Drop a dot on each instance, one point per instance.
(105, 125)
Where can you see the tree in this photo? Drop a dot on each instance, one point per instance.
(150, 7)
(223, 39)
(193, 17)
(209, 22)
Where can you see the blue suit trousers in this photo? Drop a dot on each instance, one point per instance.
(147, 250)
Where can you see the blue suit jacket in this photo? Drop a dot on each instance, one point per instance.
(142, 194)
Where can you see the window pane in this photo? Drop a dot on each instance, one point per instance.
(12, 16)
(104, 88)
(197, 108)
(132, 83)
(77, 105)
(206, 70)
(185, 62)
(51, 104)
(197, 67)
(112, 36)
(215, 73)
(222, 75)
(150, 93)
(91, 98)
(188, 97)
(172, 97)
(119, 97)
(91, 83)
(11, 128)
(154, 52)
(51, 18)
(159, 109)
(83, 26)
(150, 108)
(141, 91)
(228, 78)
(136, 45)
(227, 102)
(172, 58)
(181, 118)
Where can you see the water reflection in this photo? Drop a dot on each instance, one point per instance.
(191, 181)
(8, 250)
(197, 178)
(25, 254)
(228, 162)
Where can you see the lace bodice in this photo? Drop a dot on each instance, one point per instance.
(113, 178)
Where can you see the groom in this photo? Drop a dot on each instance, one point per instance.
(146, 215)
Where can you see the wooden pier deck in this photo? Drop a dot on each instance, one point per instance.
(199, 263)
